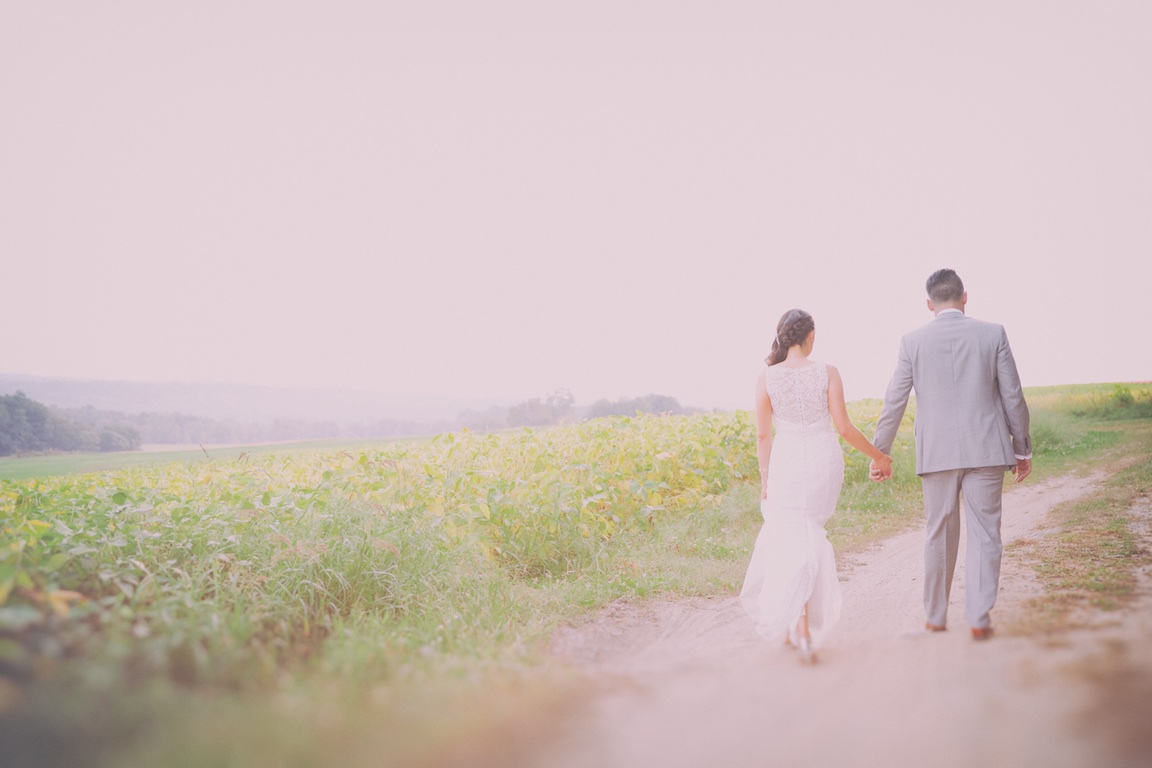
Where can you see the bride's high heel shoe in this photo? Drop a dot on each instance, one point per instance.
(807, 655)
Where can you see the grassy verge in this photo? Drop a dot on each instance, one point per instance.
(1089, 562)
(376, 607)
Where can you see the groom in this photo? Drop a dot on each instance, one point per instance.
(971, 425)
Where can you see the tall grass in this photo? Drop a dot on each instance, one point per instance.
(1109, 402)
(224, 571)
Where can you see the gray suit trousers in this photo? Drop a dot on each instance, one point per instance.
(982, 489)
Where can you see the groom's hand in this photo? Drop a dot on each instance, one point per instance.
(1022, 469)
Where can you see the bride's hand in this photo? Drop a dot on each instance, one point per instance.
(880, 469)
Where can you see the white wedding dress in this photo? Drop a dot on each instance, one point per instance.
(793, 563)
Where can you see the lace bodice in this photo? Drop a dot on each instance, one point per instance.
(799, 395)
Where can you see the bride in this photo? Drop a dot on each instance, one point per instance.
(790, 589)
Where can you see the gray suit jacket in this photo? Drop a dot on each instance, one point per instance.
(970, 409)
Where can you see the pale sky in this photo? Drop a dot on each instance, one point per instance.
(498, 199)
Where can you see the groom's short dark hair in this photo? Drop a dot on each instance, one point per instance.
(945, 285)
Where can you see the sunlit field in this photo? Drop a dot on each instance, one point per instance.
(381, 604)
(56, 464)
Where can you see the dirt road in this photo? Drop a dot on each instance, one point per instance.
(688, 684)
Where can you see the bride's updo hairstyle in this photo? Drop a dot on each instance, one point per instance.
(792, 329)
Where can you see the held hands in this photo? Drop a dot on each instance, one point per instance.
(880, 469)
(1022, 469)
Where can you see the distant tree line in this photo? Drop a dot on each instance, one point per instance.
(27, 426)
(559, 407)
(536, 412)
(661, 404)
(182, 429)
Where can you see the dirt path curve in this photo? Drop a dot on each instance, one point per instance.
(689, 684)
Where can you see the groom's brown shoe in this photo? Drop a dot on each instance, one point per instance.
(981, 633)
(934, 628)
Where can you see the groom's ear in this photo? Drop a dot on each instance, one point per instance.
(930, 307)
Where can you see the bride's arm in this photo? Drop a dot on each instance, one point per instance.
(763, 433)
(853, 436)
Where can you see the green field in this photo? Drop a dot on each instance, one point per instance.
(56, 464)
(378, 603)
